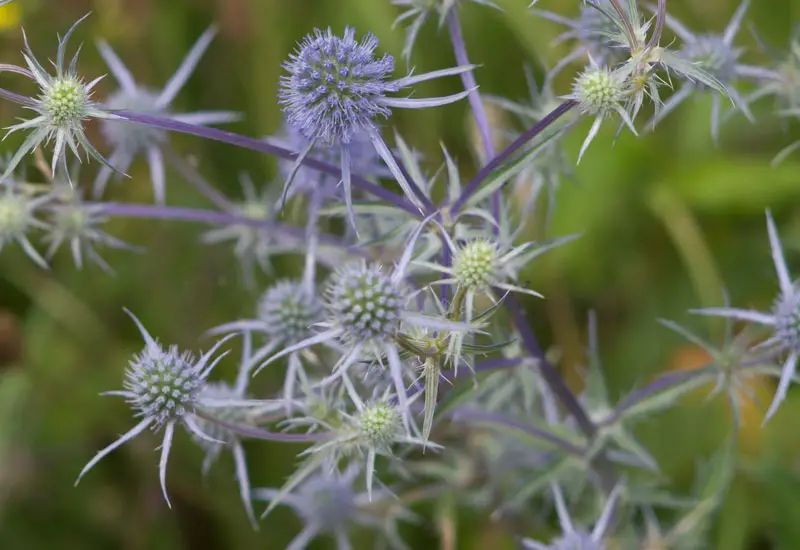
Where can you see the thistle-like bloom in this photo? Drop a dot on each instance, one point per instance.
(577, 539)
(784, 318)
(76, 224)
(64, 104)
(286, 313)
(367, 309)
(130, 140)
(782, 81)
(328, 504)
(337, 89)
(252, 245)
(374, 429)
(481, 264)
(600, 92)
(18, 218)
(627, 31)
(418, 12)
(717, 55)
(163, 386)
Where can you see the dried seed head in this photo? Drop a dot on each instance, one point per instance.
(288, 311)
(475, 264)
(333, 90)
(367, 303)
(598, 91)
(65, 102)
(378, 424)
(164, 383)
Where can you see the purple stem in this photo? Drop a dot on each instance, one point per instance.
(549, 372)
(508, 152)
(474, 98)
(122, 210)
(258, 433)
(266, 148)
(660, 384)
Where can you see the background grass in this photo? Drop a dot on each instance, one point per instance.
(667, 219)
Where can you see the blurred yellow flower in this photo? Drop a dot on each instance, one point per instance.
(10, 16)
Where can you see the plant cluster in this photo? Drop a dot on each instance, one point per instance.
(407, 358)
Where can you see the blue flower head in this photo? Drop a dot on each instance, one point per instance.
(336, 90)
(163, 386)
(336, 86)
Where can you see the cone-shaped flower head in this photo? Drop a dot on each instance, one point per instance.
(63, 105)
(163, 386)
(288, 311)
(366, 301)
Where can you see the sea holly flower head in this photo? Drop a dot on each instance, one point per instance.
(163, 387)
(18, 218)
(130, 140)
(77, 225)
(288, 310)
(253, 245)
(784, 318)
(573, 538)
(378, 425)
(782, 80)
(366, 302)
(64, 104)
(368, 309)
(329, 504)
(600, 92)
(718, 57)
(337, 89)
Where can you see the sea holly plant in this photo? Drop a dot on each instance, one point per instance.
(400, 361)
(130, 140)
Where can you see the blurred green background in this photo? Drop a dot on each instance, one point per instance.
(667, 219)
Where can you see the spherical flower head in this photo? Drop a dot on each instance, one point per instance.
(288, 311)
(787, 321)
(133, 138)
(72, 222)
(378, 424)
(64, 102)
(475, 264)
(367, 302)
(333, 86)
(164, 383)
(329, 501)
(714, 56)
(15, 216)
(597, 91)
